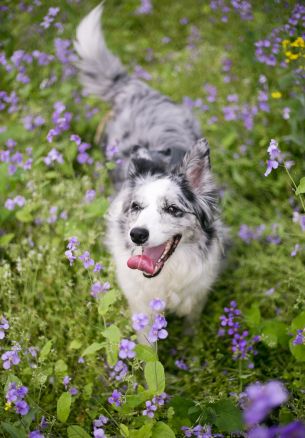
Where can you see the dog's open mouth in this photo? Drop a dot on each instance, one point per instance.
(153, 259)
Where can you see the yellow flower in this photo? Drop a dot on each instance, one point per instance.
(299, 42)
(285, 43)
(276, 94)
(7, 406)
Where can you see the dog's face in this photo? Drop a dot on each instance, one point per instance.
(167, 210)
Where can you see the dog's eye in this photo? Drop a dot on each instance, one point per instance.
(174, 210)
(135, 207)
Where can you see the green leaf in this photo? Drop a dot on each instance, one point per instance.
(93, 348)
(45, 351)
(64, 406)
(298, 322)
(182, 407)
(146, 353)
(274, 333)
(106, 301)
(96, 208)
(87, 391)
(228, 416)
(24, 215)
(162, 430)
(77, 432)
(301, 187)
(253, 316)
(133, 401)
(13, 431)
(112, 333)
(75, 345)
(144, 432)
(124, 430)
(155, 377)
(5, 240)
(61, 367)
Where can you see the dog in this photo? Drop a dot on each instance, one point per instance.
(163, 228)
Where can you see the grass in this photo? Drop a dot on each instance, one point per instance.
(45, 299)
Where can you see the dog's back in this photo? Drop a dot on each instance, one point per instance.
(146, 123)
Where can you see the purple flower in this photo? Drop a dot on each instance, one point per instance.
(119, 371)
(150, 409)
(70, 256)
(144, 8)
(127, 349)
(36, 434)
(295, 250)
(139, 321)
(86, 259)
(4, 325)
(181, 365)
(159, 400)
(73, 243)
(98, 267)
(66, 381)
(157, 304)
(90, 196)
(101, 421)
(261, 399)
(115, 398)
(22, 407)
(10, 358)
(158, 329)
(52, 157)
(98, 288)
(140, 73)
(73, 391)
(99, 433)
(300, 337)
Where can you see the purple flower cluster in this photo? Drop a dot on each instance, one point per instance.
(259, 399)
(152, 406)
(36, 434)
(10, 358)
(296, 429)
(10, 204)
(15, 395)
(83, 157)
(119, 371)
(31, 122)
(300, 337)
(98, 288)
(199, 432)
(115, 398)
(140, 73)
(98, 431)
(139, 321)
(242, 7)
(181, 365)
(14, 158)
(275, 157)
(247, 234)
(157, 331)
(53, 157)
(71, 248)
(90, 196)
(66, 56)
(268, 50)
(127, 349)
(241, 344)
(197, 103)
(9, 102)
(144, 8)
(61, 120)
(4, 325)
(50, 18)
(299, 219)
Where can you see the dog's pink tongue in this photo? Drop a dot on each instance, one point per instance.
(147, 261)
(141, 262)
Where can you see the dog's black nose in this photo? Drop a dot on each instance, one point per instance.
(139, 235)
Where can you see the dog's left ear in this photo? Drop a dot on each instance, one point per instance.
(196, 164)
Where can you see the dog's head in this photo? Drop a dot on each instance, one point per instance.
(168, 207)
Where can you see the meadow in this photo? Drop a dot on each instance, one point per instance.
(70, 362)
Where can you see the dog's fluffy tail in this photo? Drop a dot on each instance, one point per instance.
(101, 72)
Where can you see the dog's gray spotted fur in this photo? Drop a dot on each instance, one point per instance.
(165, 172)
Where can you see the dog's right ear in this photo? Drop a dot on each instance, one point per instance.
(196, 165)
